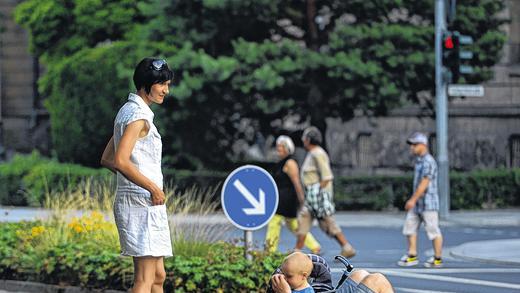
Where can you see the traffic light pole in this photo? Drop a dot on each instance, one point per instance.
(441, 113)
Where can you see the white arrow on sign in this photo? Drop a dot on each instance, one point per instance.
(258, 205)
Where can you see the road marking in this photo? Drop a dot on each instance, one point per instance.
(450, 279)
(410, 290)
(443, 270)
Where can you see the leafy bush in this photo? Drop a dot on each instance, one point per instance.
(27, 178)
(82, 250)
(11, 174)
(85, 262)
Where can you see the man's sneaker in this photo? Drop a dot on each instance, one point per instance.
(348, 251)
(432, 262)
(408, 261)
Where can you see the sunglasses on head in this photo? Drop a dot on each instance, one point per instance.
(159, 64)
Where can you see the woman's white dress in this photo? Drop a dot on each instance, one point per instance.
(143, 228)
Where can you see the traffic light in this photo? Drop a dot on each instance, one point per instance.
(454, 55)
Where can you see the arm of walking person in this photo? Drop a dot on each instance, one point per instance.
(423, 185)
(122, 163)
(323, 165)
(107, 159)
(292, 170)
(324, 183)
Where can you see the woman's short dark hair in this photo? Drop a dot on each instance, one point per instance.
(151, 71)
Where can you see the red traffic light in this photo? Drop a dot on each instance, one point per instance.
(448, 42)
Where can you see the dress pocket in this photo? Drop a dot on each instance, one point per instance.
(157, 218)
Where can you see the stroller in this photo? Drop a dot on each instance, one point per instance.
(321, 277)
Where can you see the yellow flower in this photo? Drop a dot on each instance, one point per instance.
(35, 231)
(97, 215)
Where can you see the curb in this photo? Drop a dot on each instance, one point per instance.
(29, 287)
(476, 251)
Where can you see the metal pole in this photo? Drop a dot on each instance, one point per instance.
(441, 113)
(248, 244)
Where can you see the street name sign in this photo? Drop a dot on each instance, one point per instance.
(466, 90)
(249, 197)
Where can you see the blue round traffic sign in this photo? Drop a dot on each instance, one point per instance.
(249, 197)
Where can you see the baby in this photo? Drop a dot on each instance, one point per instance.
(296, 268)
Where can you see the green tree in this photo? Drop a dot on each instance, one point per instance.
(260, 61)
(60, 28)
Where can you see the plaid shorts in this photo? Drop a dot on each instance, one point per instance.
(319, 201)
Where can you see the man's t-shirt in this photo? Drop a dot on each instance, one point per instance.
(316, 168)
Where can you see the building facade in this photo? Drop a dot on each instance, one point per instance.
(24, 122)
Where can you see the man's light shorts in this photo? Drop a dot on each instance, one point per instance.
(430, 220)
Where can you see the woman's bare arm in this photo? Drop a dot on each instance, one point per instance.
(107, 159)
(123, 164)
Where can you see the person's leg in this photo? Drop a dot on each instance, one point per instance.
(160, 276)
(329, 226)
(272, 236)
(358, 275)
(310, 241)
(377, 282)
(431, 225)
(304, 226)
(412, 244)
(437, 246)
(411, 225)
(144, 274)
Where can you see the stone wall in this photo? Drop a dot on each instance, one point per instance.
(378, 146)
(24, 123)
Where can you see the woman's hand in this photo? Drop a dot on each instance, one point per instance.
(158, 197)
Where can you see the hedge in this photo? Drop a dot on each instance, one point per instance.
(26, 179)
(498, 188)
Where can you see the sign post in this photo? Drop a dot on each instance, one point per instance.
(249, 199)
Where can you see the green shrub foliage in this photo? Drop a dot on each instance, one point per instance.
(88, 264)
(26, 179)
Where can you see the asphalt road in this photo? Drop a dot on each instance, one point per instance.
(380, 248)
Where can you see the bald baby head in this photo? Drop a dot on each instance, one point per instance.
(297, 263)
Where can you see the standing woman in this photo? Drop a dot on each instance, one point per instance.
(287, 178)
(134, 153)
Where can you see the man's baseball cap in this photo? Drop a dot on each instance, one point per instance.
(416, 138)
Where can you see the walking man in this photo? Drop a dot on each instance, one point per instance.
(317, 179)
(423, 205)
